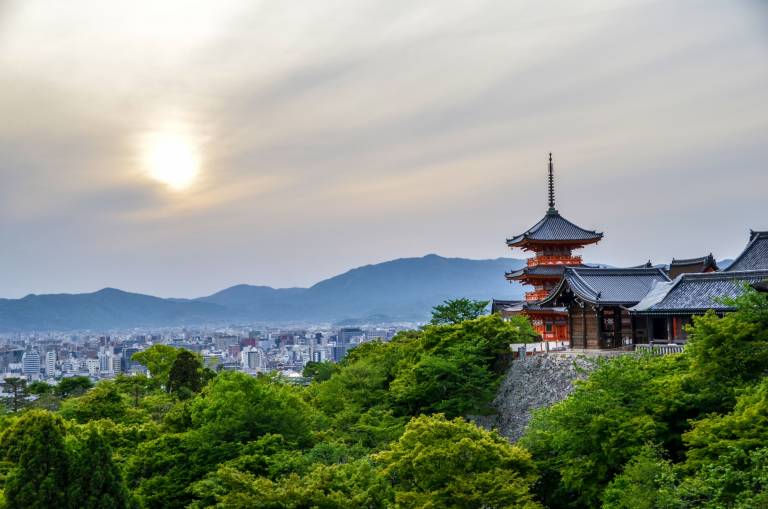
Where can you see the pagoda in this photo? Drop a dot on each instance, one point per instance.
(553, 240)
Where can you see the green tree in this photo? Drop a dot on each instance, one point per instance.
(441, 463)
(134, 386)
(17, 387)
(72, 386)
(35, 446)
(94, 480)
(730, 352)
(39, 387)
(102, 402)
(236, 407)
(581, 443)
(158, 359)
(648, 481)
(320, 371)
(460, 366)
(186, 374)
(458, 310)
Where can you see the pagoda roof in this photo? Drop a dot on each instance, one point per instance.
(698, 292)
(554, 228)
(754, 256)
(606, 286)
(554, 271)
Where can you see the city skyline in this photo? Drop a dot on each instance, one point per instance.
(178, 152)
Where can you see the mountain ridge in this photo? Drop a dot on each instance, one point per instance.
(404, 289)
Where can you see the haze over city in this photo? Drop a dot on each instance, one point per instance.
(175, 148)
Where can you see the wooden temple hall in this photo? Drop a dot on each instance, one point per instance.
(594, 307)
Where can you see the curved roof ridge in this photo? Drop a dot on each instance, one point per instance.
(691, 261)
(756, 238)
(553, 227)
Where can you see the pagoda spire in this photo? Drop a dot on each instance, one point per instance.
(551, 186)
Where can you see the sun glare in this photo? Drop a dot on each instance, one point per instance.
(172, 159)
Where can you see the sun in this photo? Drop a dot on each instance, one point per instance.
(172, 159)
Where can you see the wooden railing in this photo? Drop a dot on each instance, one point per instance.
(660, 349)
(554, 260)
(537, 295)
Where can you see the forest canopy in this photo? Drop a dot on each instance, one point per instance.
(387, 427)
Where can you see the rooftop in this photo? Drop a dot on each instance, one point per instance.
(555, 271)
(609, 286)
(698, 292)
(554, 228)
(754, 256)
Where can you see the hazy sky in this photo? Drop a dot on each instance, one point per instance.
(332, 134)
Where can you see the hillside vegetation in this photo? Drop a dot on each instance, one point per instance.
(386, 428)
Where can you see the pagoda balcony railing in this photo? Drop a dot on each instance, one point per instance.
(537, 295)
(554, 260)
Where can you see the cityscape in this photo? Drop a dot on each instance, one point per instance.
(52, 356)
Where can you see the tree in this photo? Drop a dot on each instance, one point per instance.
(648, 481)
(35, 445)
(73, 386)
(158, 359)
(732, 351)
(102, 402)
(441, 463)
(17, 387)
(185, 375)
(320, 371)
(236, 407)
(459, 366)
(39, 387)
(581, 443)
(458, 310)
(95, 481)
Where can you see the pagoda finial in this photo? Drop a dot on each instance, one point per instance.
(551, 186)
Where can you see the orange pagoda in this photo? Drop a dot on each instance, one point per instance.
(552, 240)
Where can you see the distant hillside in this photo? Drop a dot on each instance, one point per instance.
(403, 289)
(106, 309)
(399, 290)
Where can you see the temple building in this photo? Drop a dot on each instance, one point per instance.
(600, 307)
(552, 240)
(597, 301)
(692, 265)
(670, 306)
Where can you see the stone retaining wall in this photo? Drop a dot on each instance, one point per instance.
(533, 382)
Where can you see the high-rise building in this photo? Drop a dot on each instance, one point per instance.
(50, 363)
(347, 334)
(30, 363)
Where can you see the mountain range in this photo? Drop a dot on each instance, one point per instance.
(400, 290)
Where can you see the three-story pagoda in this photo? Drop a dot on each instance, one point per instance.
(553, 240)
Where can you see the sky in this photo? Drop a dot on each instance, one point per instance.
(179, 147)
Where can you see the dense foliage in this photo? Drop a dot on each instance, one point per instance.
(688, 430)
(387, 428)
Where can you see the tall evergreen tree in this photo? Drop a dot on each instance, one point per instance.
(38, 479)
(185, 374)
(95, 481)
(17, 387)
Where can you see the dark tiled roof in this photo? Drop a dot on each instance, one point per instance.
(688, 265)
(693, 261)
(754, 256)
(506, 305)
(609, 286)
(554, 227)
(538, 270)
(696, 293)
